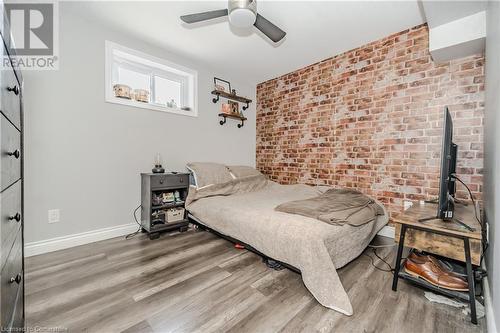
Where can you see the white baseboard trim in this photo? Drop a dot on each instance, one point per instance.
(64, 242)
(387, 231)
(491, 326)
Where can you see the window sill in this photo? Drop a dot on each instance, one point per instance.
(149, 106)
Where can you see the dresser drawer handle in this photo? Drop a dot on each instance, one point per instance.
(16, 217)
(15, 90)
(17, 279)
(16, 153)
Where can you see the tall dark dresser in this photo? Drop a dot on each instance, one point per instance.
(11, 192)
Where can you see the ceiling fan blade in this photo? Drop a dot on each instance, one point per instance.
(198, 17)
(270, 30)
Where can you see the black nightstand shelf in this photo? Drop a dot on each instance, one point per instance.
(154, 215)
(169, 205)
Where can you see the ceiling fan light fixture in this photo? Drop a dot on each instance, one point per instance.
(242, 14)
(242, 17)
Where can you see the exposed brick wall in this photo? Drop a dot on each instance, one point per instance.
(371, 119)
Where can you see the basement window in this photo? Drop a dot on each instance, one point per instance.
(137, 79)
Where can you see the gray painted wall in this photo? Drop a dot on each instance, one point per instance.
(492, 155)
(84, 155)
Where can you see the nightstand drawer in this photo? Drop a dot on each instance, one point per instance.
(169, 180)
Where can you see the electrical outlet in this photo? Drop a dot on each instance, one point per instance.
(54, 215)
(487, 232)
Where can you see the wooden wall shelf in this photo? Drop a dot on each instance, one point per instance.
(232, 97)
(232, 116)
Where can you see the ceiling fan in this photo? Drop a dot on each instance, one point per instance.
(242, 14)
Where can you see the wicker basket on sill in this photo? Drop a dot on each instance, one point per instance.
(122, 91)
(141, 95)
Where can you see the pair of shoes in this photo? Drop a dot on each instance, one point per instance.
(433, 271)
(420, 257)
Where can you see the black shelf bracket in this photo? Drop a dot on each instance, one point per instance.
(244, 107)
(223, 121)
(216, 99)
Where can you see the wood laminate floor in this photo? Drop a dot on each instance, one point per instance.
(198, 282)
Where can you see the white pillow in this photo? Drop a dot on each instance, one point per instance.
(206, 174)
(242, 171)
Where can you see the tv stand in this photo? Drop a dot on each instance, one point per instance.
(453, 219)
(440, 238)
(424, 219)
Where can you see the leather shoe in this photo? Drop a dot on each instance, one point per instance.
(429, 269)
(422, 258)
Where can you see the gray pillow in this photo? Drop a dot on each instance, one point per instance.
(206, 173)
(242, 171)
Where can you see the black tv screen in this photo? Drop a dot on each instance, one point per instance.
(448, 166)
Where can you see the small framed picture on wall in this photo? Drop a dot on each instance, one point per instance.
(222, 85)
(235, 107)
(226, 108)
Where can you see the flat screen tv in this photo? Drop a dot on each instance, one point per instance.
(447, 185)
(447, 178)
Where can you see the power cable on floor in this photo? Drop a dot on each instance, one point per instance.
(136, 221)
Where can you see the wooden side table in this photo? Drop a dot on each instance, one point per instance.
(447, 239)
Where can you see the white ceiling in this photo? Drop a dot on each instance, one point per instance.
(315, 30)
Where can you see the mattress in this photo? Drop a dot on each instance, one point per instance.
(316, 248)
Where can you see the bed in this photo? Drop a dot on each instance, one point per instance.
(243, 208)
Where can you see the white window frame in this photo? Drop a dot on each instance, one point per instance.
(153, 66)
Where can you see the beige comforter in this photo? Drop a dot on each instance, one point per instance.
(245, 210)
(336, 207)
